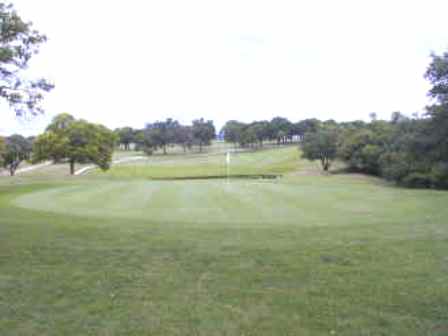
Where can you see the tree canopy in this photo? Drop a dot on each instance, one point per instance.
(126, 136)
(161, 134)
(203, 132)
(18, 43)
(78, 141)
(2, 149)
(320, 145)
(16, 150)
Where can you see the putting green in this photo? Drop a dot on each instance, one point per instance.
(237, 203)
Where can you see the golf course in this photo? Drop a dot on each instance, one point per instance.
(223, 168)
(181, 244)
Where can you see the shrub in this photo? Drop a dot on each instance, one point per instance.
(440, 175)
(417, 180)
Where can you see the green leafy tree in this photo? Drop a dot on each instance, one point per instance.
(361, 150)
(184, 137)
(321, 145)
(79, 142)
(203, 132)
(59, 126)
(307, 126)
(2, 149)
(125, 136)
(248, 137)
(161, 134)
(60, 123)
(233, 131)
(17, 150)
(261, 130)
(437, 74)
(139, 139)
(279, 129)
(18, 43)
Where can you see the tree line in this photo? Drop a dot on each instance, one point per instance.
(73, 141)
(279, 130)
(411, 151)
(161, 135)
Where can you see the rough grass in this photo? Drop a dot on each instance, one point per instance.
(304, 255)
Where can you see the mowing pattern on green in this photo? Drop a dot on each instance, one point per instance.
(258, 203)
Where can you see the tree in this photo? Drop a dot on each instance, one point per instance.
(79, 142)
(125, 136)
(18, 43)
(437, 74)
(60, 123)
(203, 132)
(307, 126)
(161, 134)
(184, 137)
(361, 150)
(248, 137)
(398, 117)
(233, 131)
(58, 127)
(2, 149)
(321, 145)
(279, 128)
(17, 150)
(139, 139)
(261, 130)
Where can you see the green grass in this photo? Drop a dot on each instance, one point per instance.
(268, 161)
(303, 255)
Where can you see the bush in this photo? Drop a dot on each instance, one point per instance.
(418, 180)
(394, 166)
(148, 150)
(440, 175)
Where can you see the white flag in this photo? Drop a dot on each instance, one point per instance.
(228, 158)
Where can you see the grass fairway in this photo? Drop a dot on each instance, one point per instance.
(268, 161)
(111, 254)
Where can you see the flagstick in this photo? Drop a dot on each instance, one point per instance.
(227, 166)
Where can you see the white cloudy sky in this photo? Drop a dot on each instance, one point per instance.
(130, 62)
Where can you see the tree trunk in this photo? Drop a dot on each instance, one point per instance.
(200, 146)
(13, 167)
(326, 164)
(72, 167)
(164, 149)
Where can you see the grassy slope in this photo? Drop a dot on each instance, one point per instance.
(269, 161)
(63, 169)
(306, 255)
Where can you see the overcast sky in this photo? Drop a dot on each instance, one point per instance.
(131, 62)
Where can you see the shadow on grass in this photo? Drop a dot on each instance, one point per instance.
(216, 177)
